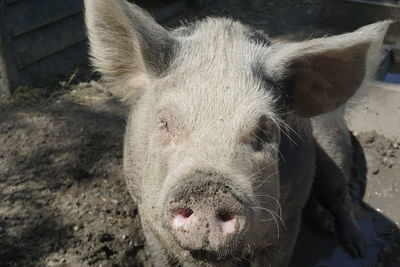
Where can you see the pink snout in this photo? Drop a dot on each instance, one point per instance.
(206, 218)
(185, 219)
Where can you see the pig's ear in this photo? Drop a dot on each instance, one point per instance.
(326, 72)
(127, 46)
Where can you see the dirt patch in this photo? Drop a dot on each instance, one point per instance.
(383, 188)
(63, 200)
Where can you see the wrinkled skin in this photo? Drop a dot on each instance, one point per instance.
(219, 149)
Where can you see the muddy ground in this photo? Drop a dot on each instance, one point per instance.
(63, 200)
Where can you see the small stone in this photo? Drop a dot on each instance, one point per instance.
(375, 171)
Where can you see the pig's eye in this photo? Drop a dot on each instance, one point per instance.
(261, 137)
(262, 134)
(163, 125)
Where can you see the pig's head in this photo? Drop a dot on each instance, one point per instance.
(210, 102)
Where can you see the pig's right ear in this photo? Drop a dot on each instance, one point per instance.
(127, 46)
(326, 72)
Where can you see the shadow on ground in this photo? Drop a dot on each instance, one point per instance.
(315, 248)
(63, 200)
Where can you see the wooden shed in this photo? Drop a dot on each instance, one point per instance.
(39, 40)
(43, 39)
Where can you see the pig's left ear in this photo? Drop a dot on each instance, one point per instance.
(127, 46)
(328, 71)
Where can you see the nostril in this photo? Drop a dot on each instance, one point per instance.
(226, 216)
(227, 221)
(180, 217)
(184, 212)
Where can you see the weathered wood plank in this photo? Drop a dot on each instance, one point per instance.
(8, 65)
(26, 16)
(48, 40)
(51, 68)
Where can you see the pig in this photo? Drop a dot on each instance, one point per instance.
(227, 131)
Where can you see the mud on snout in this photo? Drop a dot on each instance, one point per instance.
(207, 216)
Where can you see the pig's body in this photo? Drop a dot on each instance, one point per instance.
(219, 150)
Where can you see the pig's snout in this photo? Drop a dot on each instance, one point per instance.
(205, 215)
(200, 222)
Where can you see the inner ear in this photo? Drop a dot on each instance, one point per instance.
(325, 81)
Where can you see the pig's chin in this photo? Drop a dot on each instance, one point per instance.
(208, 258)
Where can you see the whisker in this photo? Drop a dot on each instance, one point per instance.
(265, 179)
(263, 168)
(276, 200)
(288, 127)
(273, 217)
(272, 212)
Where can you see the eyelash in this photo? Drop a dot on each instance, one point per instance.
(261, 138)
(262, 134)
